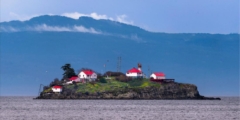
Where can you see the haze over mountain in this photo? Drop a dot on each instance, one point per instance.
(33, 51)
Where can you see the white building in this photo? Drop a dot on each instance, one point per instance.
(157, 76)
(135, 73)
(57, 88)
(87, 75)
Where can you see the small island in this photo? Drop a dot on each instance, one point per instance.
(88, 84)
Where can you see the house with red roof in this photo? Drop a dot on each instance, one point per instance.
(134, 73)
(88, 75)
(57, 88)
(157, 76)
(73, 79)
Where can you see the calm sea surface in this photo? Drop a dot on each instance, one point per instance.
(25, 108)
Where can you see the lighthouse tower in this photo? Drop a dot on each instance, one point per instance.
(139, 67)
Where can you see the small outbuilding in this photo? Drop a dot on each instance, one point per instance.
(157, 76)
(57, 88)
(73, 79)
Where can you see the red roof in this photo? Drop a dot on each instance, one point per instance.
(134, 70)
(159, 74)
(73, 78)
(88, 72)
(57, 86)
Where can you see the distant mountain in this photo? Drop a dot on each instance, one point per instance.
(33, 51)
(105, 26)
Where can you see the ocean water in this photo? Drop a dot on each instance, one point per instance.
(25, 108)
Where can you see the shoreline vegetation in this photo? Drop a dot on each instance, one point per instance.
(105, 87)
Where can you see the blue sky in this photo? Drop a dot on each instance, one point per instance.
(171, 16)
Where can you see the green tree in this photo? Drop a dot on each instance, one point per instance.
(102, 80)
(68, 71)
(56, 81)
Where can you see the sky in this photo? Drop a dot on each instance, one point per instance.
(170, 16)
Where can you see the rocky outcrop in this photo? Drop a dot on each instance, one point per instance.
(165, 91)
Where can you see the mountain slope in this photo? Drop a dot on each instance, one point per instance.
(105, 26)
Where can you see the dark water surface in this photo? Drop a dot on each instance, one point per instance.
(25, 108)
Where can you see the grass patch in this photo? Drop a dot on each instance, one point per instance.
(48, 90)
(112, 85)
(142, 83)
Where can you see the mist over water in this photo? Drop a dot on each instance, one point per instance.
(25, 108)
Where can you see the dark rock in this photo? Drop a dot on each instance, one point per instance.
(165, 91)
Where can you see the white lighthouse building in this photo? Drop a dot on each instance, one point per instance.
(135, 72)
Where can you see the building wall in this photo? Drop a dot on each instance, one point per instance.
(82, 75)
(157, 77)
(160, 77)
(77, 80)
(133, 75)
(153, 76)
(92, 77)
(57, 89)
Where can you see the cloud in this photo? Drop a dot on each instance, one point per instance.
(122, 19)
(136, 38)
(119, 18)
(76, 15)
(83, 29)
(8, 29)
(96, 16)
(45, 27)
(133, 37)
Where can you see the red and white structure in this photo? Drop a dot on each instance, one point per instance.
(57, 88)
(157, 76)
(135, 73)
(73, 79)
(87, 75)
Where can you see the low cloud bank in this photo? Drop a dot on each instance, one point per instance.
(8, 29)
(75, 28)
(45, 27)
(119, 18)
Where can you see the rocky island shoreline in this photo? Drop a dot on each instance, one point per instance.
(170, 91)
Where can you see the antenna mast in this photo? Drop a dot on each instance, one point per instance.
(149, 71)
(119, 60)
